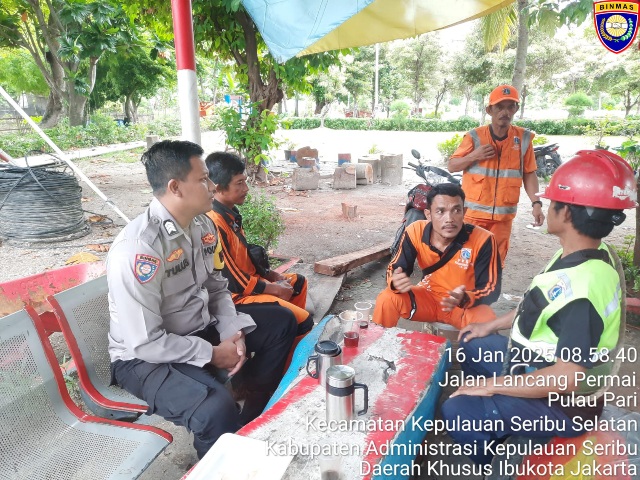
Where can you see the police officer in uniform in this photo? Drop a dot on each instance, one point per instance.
(175, 333)
(566, 326)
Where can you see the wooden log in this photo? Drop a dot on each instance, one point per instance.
(364, 174)
(349, 211)
(374, 161)
(344, 178)
(343, 263)
(391, 168)
(305, 178)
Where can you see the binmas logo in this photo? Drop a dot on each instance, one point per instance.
(616, 24)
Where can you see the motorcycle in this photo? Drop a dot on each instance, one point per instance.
(417, 197)
(547, 159)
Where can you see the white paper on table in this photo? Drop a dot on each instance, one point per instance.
(234, 457)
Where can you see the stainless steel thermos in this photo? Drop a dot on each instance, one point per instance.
(341, 385)
(327, 354)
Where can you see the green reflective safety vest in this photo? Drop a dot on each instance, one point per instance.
(595, 280)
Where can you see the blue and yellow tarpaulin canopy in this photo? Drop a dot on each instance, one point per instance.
(300, 27)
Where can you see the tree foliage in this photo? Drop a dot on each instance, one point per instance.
(66, 39)
(19, 73)
(130, 74)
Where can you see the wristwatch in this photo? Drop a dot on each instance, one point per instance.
(538, 202)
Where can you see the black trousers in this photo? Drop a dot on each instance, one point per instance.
(193, 397)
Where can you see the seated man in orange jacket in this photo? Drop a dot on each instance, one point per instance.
(460, 265)
(249, 283)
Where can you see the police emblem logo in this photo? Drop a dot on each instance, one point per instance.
(145, 267)
(170, 227)
(465, 253)
(555, 291)
(208, 239)
(616, 24)
(175, 255)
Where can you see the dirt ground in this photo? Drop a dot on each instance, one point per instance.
(315, 227)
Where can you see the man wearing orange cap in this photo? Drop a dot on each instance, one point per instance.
(496, 160)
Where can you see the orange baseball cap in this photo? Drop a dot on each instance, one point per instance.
(503, 92)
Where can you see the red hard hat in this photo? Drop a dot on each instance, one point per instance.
(594, 178)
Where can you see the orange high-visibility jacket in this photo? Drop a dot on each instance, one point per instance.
(476, 266)
(492, 186)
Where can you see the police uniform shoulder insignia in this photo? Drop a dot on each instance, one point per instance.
(170, 227)
(175, 255)
(209, 238)
(145, 267)
(555, 291)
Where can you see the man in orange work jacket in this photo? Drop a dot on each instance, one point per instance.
(247, 285)
(460, 267)
(496, 160)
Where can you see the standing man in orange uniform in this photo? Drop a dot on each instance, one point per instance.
(248, 282)
(496, 160)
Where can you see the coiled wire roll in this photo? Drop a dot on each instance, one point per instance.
(41, 204)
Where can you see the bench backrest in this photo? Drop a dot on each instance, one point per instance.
(83, 314)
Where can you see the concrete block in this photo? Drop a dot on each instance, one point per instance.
(306, 162)
(152, 139)
(344, 178)
(374, 161)
(305, 178)
(364, 174)
(391, 168)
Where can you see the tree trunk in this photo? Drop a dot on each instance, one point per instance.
(483, 112)
(523, 43)
(523, 99)
(319, 107)
(439, 97)
(295, 111)
(467, 98)
(130, 110)
(54, 111)
(55, 107)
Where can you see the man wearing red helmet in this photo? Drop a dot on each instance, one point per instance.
(496, 160)
(564, 331)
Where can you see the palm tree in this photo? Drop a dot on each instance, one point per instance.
(498, 28)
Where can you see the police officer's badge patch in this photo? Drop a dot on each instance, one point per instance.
(208, 239)
(175, 255)
(170, 227)
(146, 267)
(555, 291)
(616, 24)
